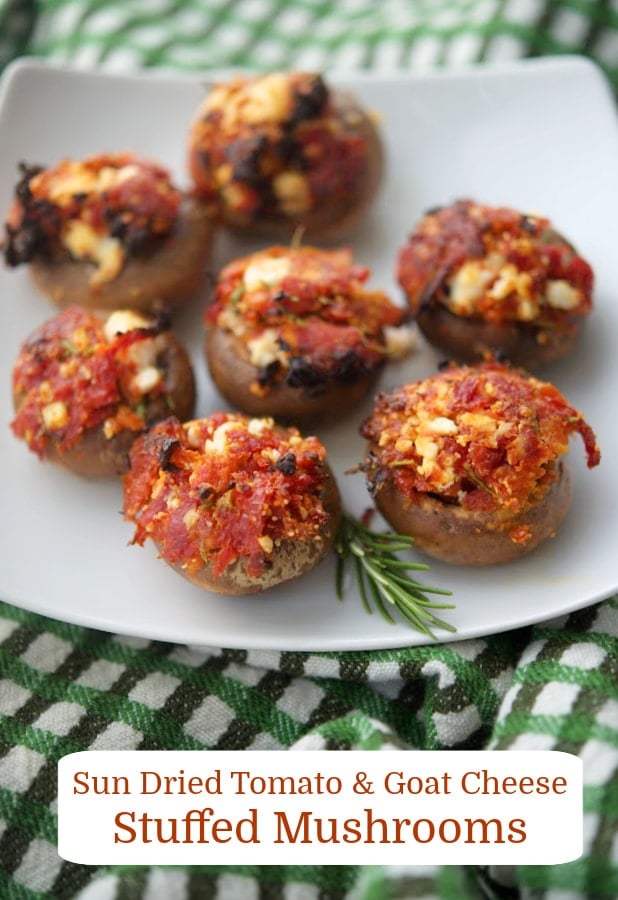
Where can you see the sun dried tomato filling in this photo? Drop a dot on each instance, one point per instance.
(70, 377)
(216, 490)
(496, 264)
(304, 316)
(275, 146)
(100, 209)
(485, 437)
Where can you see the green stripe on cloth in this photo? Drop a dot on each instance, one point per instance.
(573, 663)
(13, 891)
(69, 686)
(449, 883)
(17, 20)
(195, 35)
(35, 818)
(357, 713)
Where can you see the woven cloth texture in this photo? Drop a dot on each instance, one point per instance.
(64, 688)
(310, 34)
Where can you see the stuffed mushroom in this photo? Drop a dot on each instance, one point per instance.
(84, 387)
(108, 232)
(276, 151)
(295, 333)
(482, 280)
(470, 462)
(235, 505)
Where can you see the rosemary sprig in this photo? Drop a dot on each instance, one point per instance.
(383, 579)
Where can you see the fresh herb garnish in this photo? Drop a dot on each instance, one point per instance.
(237, 294)
(478, 481)
(68, 348)
(383, 579)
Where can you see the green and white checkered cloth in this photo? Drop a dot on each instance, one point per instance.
(64, 688)
(309, 34)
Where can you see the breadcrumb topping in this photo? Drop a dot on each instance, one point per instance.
(101, 209)
(78, 371)
(496, 264)
(214, 490)
(305, 317)
(484, 437)
(275, 146)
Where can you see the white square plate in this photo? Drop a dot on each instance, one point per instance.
(538, 135)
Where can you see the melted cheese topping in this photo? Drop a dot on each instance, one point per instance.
(266, 271)
(79, 372)
(216, 490)
(493, 278)
(83, 242)
(276, 146)
(122, 320)
(265, 99)
(486, 437)
(98, 209)
(495, 264)
(266, 349)
(285, 304)
(71, 178)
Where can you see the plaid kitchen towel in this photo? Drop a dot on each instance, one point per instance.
(310, 34)
(64, 688)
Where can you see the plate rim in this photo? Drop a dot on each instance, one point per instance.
(465, 70)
